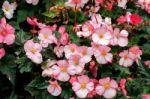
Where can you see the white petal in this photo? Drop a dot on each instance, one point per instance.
(109, 57)
(72, 70)
(35, 2)
(63, 77)
(29, 1)
(100, 90)
(128, 62)
(103, 41)
(110, 93)
(86, 59)
(54, 91)
(75, 86)
(56, 70)
(95, 38)
(122, 41)
(101, 60)
(90, 86)
(124, 33)
(82, 93)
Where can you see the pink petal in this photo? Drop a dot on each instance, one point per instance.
(100, 90)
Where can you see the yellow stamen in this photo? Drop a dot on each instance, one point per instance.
(72, 50)
(101, 36)
(33, 50)
(46, 36)
(107, 86)
(63, 69)
(83, 85)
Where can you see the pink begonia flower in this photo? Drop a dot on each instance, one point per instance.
(96, 20)
(82, 86)
(136, 52)
(2, 53)
(147, 63)
(121, 19)
(119, 37)
(73, 79)
(101, 36)
(144, 4)
(76, 3)
(49, 63)
(76, 65)
(95, 46)
(122, 86)
(33, 51)
(108, 20)
(98, 2)
(33, 2)
(146, 96)
(125, 18)
(135, 19)
(126, 58)
(54, 88)
(64, 37)
(102, 55)
(6, 32)
(70, 49)
(60, 71)
(109, 6)
(107, 88)
(48, 72)
(92, 93)
(87, 30)
(122, 3)
(8, 9)
(58, 50)
(32, 21)
(46, 37)
(85, 53)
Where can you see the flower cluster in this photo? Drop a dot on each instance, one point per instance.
(7, 35)
(79, 44)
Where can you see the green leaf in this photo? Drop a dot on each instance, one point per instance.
(38, 88)
(146, 48)
(52, 13)
(74, 38)
(23, 14)
(22, 37)
(24, 65)
(15, 24)
(122, 70)
(8, 67)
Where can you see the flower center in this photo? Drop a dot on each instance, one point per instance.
(72, 50)
(107, 86)
(83, 85)
(76, 62)
(33, 50)
(63, 69)
(126, 57)
(3, 33)
(104, 53)
(7, 9)
(46, 36)
(84, 53)
(101, 36)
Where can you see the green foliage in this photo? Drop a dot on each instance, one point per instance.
(24, 64)
(21, 37)
(8, 67)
